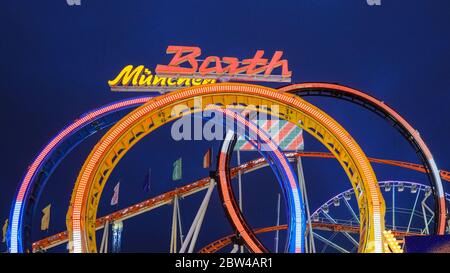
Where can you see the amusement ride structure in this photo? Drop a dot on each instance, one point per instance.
(365, 218)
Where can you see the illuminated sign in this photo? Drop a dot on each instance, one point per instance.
(225, 68)
(185, 69)
(140, 78)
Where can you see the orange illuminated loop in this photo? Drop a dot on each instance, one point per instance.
(77, 214)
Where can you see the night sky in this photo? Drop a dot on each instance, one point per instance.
(56, 60)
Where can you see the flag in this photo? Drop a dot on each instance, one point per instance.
(45, 221)
(115, 198)
(146, 185)
(5, 228)
(207, 159)
(176, 174)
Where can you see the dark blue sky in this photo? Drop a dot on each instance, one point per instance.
(56, 60)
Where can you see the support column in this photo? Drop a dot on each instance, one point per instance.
(191, 237)
(180, 226)
(173, 237)
(301, 180)
(104, 243)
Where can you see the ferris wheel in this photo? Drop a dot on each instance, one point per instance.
(408, 212)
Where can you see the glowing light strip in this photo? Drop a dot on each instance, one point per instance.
(437, 182)
(297, 217)
(84, 181)
(17, 210)
(227, 199)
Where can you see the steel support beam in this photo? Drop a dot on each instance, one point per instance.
(192, 235)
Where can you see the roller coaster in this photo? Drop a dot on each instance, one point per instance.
(372, 215)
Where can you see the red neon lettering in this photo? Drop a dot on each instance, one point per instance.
(276, 62)
(174, 65)
(213, 64)
(233, 66)
(204, 69)
(253, 63)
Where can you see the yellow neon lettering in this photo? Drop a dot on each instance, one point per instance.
(171, 82)
(146, 78)
(126, 75)
(196, 82)
(184, 82)
(141, 76)
(159, 80)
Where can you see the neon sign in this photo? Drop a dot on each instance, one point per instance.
(226, 68)
(140, 78)
(185, 69)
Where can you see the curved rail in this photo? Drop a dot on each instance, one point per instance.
(48, 159)
(388, 113)
(288, 182)
(38, 173)
(142, 121)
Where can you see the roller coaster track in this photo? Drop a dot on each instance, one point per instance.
(67, 139)
(398, 122)
(224, 241)
(285, 176)
(49, 158)
(202, 184)
(82, 212)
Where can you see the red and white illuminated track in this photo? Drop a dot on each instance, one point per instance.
(32, 171)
